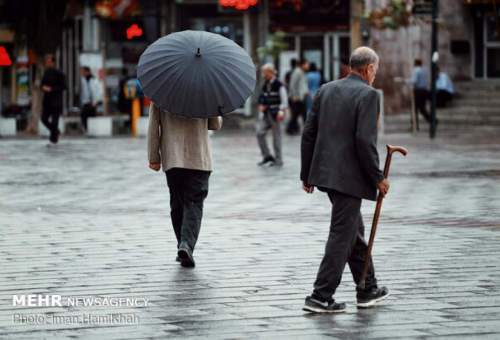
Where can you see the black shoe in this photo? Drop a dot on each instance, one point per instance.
(268, 159)
(369, 298)
(186, 256)
(316, 306)
(177, 259)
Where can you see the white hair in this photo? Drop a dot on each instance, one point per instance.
(362, 56)
(269, 66)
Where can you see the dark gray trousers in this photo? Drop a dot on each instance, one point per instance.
(346, 244)
(188, 190)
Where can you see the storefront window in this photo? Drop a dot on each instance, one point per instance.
(492, 46)
(493, 29)
(209, 17)
(493, 62)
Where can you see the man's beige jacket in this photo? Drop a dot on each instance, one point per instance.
(178, 142)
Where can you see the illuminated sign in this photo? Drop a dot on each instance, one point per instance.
(134, 31)
(4, 57)
(238, 4)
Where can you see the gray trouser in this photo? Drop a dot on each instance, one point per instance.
(264, 124)
(346, 244)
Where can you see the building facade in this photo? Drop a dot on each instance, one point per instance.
(468, 46)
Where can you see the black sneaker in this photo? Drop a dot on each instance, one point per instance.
(367, 299)
(316, 306)
(268, 159)
(186, 256)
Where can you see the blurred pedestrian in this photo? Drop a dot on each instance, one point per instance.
(181, 147)
(273, 101)
(124, 102)
(314, 81)
(445, 89)
(298, 91)
(53, 85)
(288, 74)
(339, 157)
(420, 81)
(90, 95)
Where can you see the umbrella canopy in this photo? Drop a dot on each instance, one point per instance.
(196, 74)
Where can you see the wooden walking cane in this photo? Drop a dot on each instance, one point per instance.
(390, 150)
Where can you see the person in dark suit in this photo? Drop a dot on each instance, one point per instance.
(53, 85)
(339, 157)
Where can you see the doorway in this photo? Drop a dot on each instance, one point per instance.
(329, 51)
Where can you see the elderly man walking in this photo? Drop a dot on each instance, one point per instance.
(181, 147)
(273, 102)
(339, 157)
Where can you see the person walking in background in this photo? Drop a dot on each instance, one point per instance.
(298, 92)
(90, 95)
(288, 74)
(420, 81)
(339, 156)
(124, 103)
(53, 85)
(444, 88)
(181, 147)
(314, 81)
(273, 101)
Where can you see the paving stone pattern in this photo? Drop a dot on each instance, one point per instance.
(88, 218)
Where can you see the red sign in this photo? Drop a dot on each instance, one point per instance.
(134, 31)
(4, 57)
(238, 4)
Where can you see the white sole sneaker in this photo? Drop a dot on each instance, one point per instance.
(372, 302)
(321, 310)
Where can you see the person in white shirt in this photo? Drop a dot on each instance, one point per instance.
(90, 95)
(444, 88)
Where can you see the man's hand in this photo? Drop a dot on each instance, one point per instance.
(46, 88)
(155, 166)
(308, 188)
(383, 187)
(280, 116)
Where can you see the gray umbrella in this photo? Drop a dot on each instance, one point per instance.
(196, 74)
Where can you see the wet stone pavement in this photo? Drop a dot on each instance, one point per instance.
(87, 218)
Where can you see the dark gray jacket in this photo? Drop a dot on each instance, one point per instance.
(339, 142)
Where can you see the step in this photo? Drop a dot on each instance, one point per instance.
(469, 111)
(484, 85)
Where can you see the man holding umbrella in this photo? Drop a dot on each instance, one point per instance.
(181, 146)
(192, 78)
(339, 157)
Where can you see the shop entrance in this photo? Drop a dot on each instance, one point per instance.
(329, 51)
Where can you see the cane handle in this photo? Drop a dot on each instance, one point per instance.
(393, 148)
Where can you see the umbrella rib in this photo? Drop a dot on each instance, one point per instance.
(226, 95)
(157, 75)
(238, 67)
